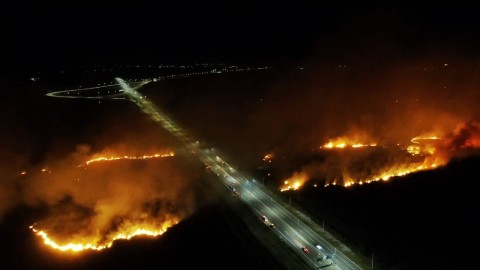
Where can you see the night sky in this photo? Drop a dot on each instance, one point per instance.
(65, 34)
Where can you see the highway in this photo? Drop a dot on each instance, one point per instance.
(289, 229)
(292, 231)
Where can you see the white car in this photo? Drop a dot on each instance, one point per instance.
(318, 246)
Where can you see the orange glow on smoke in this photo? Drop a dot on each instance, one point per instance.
(112, 158)
(96, 242)
(435, 150)
(140, 226)
(343, 142)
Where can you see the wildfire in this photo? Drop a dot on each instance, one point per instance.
(434, 151)
(94, 243)
(294, 182)
(394, 171)
(112, 158)
(343, 142)
(88, 234)
(423, 145)
(425, 138)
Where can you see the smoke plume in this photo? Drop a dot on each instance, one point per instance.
(106, 200)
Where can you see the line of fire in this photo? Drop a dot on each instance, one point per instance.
(425, 152)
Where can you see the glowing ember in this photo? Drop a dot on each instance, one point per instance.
(268, 157)
(112, 158)
(294, 182)
(343, 142)
(414, 150)
(424, 138)
(94, 243)
(394, 171)
(357, 145)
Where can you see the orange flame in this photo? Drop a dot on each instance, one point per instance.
(94, 243)
(432, 148)
(423, 145)
(343, 142)
(394, 171)
(294, 182)
(112, 158)
(127, 230)
(425, 138)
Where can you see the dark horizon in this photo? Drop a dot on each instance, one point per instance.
(61, 35)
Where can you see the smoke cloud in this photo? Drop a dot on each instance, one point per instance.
(93, 203)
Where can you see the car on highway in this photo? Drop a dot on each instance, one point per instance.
(305, 250)
(318, 246)
(267, 222)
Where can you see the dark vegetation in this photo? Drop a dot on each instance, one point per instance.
(421, 221)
